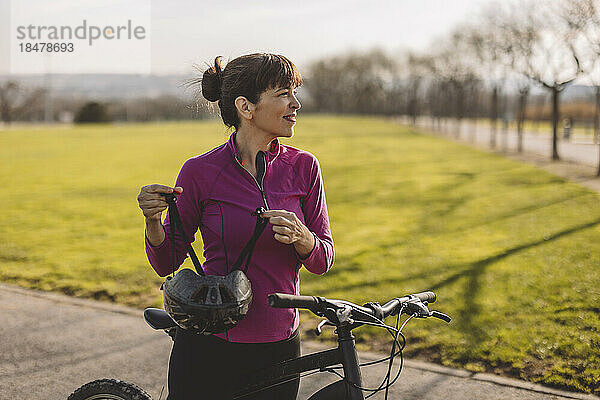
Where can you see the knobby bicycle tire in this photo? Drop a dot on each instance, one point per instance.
(109, 389)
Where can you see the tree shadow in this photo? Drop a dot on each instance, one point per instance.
(517, 212)
(451, 204)
(473, 272)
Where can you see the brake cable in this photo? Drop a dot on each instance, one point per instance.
(395, 333)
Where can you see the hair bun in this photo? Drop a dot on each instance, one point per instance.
(212, 80)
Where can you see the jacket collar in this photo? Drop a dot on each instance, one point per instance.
(271, 155)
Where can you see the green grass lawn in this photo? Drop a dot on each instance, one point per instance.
(512, 251)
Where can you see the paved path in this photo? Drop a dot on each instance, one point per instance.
(579, 155)
(579, 149)
(51, 344)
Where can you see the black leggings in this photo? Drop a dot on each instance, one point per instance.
(207, 367)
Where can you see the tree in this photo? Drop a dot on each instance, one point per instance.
(92, 112)
(452, 69)
(416, 68)
(544, 52)
(353, 83)
(583, 19)
(524, 89)
(15, 100)
(458, 69)
(507, 33)
(489, 50)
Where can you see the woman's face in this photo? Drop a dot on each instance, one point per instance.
(275, 111)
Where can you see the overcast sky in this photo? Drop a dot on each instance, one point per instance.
(187, 32)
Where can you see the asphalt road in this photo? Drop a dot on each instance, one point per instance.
(578, 149)
(51, 344)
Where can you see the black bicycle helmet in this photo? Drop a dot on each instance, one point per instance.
(207, 304)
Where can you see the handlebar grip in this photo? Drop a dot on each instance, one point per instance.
(426, 296)
(283, 300)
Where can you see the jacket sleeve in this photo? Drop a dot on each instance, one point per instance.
(316, 219)
(161, 256)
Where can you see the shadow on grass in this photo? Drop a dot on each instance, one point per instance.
(595, 310)
(518, 211)
(350, 265)
(473, 272)
(450, 204)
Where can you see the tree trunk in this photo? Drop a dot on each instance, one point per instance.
(474, 130)
(597, 125)
(504, 124)
(413, 102)
(555, 94)
(523, 93)
(460, 108)
(494, 118)
(505, 134)
(598, 173)
(519, 135)
(4, 108)
(597, 117)
(5, 114)
(474, 115)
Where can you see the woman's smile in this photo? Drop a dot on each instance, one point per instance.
(290, 117)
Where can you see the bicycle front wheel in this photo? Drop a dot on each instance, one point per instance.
(334, 391)
(109, 389)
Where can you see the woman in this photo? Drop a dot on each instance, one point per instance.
(218, 190)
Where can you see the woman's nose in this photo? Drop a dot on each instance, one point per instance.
(296, 104)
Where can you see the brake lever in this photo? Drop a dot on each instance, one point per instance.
(319, 328)
(417, 309)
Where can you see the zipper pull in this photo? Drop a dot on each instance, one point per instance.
(259, 219)
(258, 212)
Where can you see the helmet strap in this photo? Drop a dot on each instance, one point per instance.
(246, 254)
(174, 214)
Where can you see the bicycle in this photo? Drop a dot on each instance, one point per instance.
(343, 315)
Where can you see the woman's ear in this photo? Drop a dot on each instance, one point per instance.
(244, 107)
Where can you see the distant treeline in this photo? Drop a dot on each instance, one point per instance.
(33, 104)
(486, 68)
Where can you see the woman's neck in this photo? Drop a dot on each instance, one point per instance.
(249, 143)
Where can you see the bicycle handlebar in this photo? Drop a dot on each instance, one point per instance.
(283, 300)
(313, 303)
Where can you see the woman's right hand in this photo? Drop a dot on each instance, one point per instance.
(152, 203)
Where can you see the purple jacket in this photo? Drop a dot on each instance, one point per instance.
(219, 195)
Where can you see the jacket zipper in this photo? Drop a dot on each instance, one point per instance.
(259, 185)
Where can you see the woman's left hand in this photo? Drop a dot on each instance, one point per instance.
(290, 230)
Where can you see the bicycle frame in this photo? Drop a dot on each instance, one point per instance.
(344, 354)
(345, 316)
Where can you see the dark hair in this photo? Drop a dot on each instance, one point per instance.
(247, 76)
